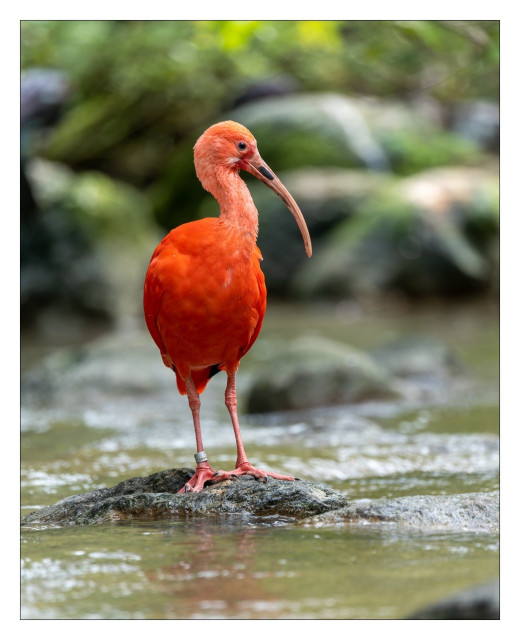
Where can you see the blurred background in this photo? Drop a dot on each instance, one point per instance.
(386, 133)
(376, 371)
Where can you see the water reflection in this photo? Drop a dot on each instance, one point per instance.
(214, 574)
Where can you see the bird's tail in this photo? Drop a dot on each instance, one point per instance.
(200, 378)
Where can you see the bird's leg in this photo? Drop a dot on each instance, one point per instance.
(204, 472)
(231, 404)
(243, 466)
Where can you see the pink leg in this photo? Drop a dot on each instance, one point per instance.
(243, 466)
(204, 472)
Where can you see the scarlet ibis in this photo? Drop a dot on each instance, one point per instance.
(204, 292)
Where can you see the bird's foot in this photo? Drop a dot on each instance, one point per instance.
(246, 468)
(203, 473)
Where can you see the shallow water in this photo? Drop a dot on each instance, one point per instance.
(244, 570)
(102, 431)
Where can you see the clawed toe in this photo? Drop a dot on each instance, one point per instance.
(246, 468)
(258, 476)
(205, 475)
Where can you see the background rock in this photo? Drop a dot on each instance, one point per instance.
(328, 197)
(418, 355)
(314, 371)
(85, 249)
(329, 128)
(435, 233)
(478, 120)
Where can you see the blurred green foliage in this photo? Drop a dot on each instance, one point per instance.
(143, 87)
(372, 97)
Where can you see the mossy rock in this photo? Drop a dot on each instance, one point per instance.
(318, 129)
(314, 371)
(85, 248)
(435, 233)
(326, 197)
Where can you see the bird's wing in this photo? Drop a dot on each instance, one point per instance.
(151, 304)
(185, 240)
(261, 302)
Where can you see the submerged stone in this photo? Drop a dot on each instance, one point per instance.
(478, 603)
(155, 498)
(461, 512)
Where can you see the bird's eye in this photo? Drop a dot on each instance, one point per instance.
(242, 146)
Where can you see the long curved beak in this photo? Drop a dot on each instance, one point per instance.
(257, 167)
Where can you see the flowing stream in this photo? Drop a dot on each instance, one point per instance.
(103, 424)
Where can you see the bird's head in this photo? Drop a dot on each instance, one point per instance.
(230, 146)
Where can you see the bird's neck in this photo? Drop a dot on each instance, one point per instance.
(238, 214)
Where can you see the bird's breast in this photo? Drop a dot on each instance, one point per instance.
(210, 303)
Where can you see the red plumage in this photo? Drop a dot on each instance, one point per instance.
(204, 307)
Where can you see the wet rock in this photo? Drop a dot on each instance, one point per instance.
(418, 355)
(435, 233)
(463, 512)
(313, 372)
(478, 603)
(155, 497)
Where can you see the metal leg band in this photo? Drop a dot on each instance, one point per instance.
(200, 456)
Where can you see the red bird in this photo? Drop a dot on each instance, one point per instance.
(204, 292)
